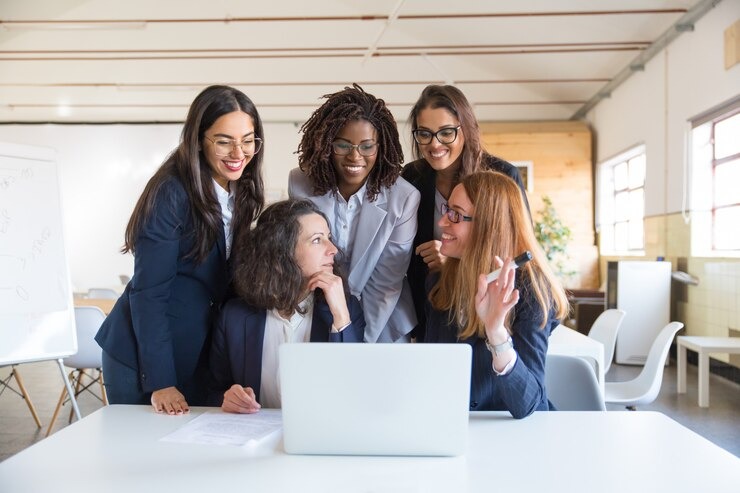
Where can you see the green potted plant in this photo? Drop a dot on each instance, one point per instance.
(554, 237)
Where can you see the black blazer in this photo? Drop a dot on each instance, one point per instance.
(424, 178)
(161, 323)
(236, 349)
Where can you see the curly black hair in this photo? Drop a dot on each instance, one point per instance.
(315, 149)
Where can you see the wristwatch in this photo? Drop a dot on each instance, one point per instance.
(497, 349)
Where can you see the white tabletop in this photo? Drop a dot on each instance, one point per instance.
(565, 341)
(117, 449)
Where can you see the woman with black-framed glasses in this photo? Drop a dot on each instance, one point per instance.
(208, 191)
(447, 147)
(350, 160)
(507, 321)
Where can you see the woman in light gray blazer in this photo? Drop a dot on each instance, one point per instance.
(350, 162)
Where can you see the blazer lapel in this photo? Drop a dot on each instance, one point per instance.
(371, 218)
(254, 335)
(221, 242)
(320, 326)
(325, 203)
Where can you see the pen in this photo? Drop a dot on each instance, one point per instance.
(518, 262)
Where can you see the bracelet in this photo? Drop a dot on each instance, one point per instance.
(498, 349)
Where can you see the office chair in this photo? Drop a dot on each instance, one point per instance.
(604, 330)
(645, 387)
(102, 293)
(88, 360)
(571, 384)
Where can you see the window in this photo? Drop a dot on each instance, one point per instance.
(622, 203)
(715, 176)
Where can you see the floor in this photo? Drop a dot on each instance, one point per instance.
(720, 423)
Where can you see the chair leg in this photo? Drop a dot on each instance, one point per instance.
(103, 394)
(26, 397)
(631, 408)
(56, 411)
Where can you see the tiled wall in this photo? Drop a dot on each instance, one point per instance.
(713, 307)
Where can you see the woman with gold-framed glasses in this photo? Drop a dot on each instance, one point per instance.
(208, 191)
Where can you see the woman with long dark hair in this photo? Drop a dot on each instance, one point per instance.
(447, 147)
(293, 293)
(207, 192)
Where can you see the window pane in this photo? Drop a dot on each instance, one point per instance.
(637, 171)
(621, 206)
(607, 238)
(726, 231)
(726, 183)
(620, 237)
(621, 177)
(637, 204)
(635, 234)
(727, 137)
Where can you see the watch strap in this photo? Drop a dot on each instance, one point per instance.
(497, 349)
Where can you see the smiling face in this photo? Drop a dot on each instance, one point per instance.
(235, 127)
(314, 251)
(455, 236)
(353, 168)
(440, 156)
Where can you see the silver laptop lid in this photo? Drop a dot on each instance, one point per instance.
(375, 399)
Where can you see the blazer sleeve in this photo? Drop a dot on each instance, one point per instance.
(355, 332)
(381, 294)
(523, 389)
(157, 258)
(221, 377)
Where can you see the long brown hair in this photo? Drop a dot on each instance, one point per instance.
(315, 149)
(266, 274)
(453, 100)
(188, 164)
(500, 226)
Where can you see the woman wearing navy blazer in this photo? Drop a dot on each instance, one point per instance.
(350, 161)
(447, 147)
(292, 294)
(155, 340)
(508, 321)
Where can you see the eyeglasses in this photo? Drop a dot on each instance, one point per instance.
(446, 135)
(453, 215)
(345, 148)
(224, 147)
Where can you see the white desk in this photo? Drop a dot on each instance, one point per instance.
(117, 450)
(565, 341)
(704, 346)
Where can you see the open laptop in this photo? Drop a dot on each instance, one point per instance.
(375, 399)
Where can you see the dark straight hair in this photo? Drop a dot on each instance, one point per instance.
(453, 100)
(188, 164)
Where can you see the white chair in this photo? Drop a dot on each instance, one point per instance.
(572, 385)
(102, 293)
(604, 330)
(87, 362)
(5, 384)
(645, 387)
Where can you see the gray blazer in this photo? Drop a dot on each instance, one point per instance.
(380, 256)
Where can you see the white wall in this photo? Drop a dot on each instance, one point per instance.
(653, 107)
(103, 169)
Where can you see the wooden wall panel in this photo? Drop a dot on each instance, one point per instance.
(563, 170)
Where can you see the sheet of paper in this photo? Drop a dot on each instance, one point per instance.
(228, 429)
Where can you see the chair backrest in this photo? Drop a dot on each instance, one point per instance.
(89, 355)
(102, 293)
(572, 385)
(604, 330)
(651, 377)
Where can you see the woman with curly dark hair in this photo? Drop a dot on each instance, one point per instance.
(289, 290)
(155, 339)
(350, 161)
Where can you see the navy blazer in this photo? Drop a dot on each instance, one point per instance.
(161, 323)
(522, 391)
(424, 178)
(236, 348)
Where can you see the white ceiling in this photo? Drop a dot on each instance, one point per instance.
(146, 60)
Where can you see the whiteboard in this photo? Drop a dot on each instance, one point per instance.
(36, 308)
